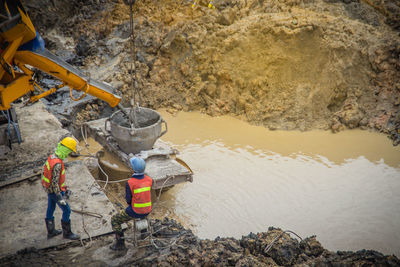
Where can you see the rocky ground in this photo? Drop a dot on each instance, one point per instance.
(177, 246)
(289, 64)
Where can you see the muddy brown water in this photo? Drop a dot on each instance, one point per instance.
(342, 187)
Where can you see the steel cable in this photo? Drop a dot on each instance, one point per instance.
(133, 73)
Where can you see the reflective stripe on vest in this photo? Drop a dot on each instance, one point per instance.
(142, 205)
(45, 179)
(143, 189)
(141, 194)
(47, 173)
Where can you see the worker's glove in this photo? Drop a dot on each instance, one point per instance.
(61, 200)
(67, 193)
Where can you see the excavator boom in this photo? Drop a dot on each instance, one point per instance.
(21, 45)
(71, 76)
(21, 48)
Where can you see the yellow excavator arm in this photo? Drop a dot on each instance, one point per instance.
(16, 78)
(70, 76)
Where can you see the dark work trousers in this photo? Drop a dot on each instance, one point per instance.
(51, 206)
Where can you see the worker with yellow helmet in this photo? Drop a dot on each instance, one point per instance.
(53, 181)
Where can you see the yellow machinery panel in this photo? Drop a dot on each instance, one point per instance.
(17, 29)
(23, 29)
(14, 90)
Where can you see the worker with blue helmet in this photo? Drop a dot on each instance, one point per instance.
(138, 165)
(138, 198)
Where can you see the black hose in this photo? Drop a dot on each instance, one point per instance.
(16, 129)
(10, 121)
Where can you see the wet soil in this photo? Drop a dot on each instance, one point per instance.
(294, 64)
(179, 247)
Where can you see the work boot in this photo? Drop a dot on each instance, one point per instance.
(119, 242)
(67, 233)
(51, 231)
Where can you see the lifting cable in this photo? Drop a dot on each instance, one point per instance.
(134, 83)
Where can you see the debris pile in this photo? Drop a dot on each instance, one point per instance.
(176, 246)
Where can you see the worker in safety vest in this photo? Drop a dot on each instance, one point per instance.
(53, 181)
(138, 197)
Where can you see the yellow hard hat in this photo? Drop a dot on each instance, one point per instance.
(70, 143)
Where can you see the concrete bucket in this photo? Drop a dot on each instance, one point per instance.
(135, 139)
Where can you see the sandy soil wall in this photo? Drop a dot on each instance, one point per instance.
(294, 64)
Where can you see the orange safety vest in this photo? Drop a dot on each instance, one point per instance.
(141, 195)
(48, 173)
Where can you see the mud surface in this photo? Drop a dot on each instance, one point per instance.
(179, 247)
(29, 157)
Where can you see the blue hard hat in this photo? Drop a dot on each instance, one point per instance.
(138, 165)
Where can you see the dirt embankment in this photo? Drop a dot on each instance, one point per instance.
(294, 64)
(179, 247)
